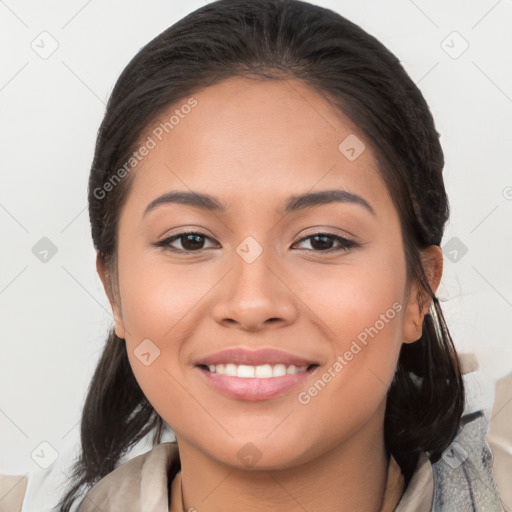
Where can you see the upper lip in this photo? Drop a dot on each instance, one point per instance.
(239, 355)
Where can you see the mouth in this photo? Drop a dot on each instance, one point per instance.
(255, 383)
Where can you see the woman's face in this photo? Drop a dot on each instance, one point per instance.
(256, 277)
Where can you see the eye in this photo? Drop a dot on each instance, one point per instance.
(323, 242)
(190, 241)
(193, 241)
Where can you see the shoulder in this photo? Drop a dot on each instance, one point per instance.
(469, 476)
(499, 438)
(12, 492)
(465, 475)
(140, 480)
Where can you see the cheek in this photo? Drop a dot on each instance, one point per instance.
(360, 311)
(363, 293)
(157, 296)
(161, 307)
(352, 387)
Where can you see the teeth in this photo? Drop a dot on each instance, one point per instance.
(265, 371)
(229, 369)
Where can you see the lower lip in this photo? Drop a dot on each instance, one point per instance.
(254, 389)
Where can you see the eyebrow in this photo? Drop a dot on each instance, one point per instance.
(293, 203)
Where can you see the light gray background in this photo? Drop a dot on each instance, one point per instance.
(55, 315)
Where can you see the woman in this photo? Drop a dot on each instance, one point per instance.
(267, 205)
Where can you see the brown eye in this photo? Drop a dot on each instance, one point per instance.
(324, 242)
(190, 242)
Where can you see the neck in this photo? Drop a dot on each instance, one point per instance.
(350, 476)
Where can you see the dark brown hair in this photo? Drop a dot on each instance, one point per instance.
(273, 39)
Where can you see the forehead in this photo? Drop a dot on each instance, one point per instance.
(248, 139)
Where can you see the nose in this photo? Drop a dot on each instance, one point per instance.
(255, 296)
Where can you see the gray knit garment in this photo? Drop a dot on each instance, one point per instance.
(463, 476)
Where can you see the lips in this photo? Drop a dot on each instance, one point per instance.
(244, 356)
(254, 387)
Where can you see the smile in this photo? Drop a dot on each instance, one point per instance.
(265, 371)
(255, 383)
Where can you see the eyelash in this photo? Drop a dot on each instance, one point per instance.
(345, 243)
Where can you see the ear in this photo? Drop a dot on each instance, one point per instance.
(432, 260)
(106, 281)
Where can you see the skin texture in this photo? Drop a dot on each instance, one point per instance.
(252, 144)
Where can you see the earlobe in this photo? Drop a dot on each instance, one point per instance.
(105, 280)
(432, 261)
